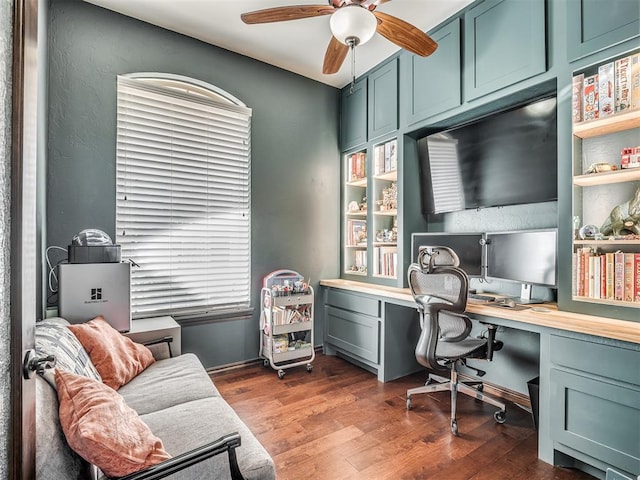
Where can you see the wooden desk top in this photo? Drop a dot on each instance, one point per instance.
(574, 322)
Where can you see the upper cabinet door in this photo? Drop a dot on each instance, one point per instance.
(431, 85)
(594, 25)
(353, 120)
(383, 99)
(504, 44)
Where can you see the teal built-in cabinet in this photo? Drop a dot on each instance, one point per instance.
(431, 85)
(493, 55)
(504, 44)
(353, 116)
(383, 99)
(596, 25)
(595, 416)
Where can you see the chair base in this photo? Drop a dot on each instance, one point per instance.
(456, 386)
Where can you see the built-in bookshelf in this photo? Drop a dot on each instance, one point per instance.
(385, 209)
(355, 235)
(606, 185)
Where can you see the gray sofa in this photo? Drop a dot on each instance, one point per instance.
(176, 398)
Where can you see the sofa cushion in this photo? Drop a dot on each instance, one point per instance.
(54, 458)
(52, 337)
(116, 357)
(102, 429)
(193, 424)
(167, 383)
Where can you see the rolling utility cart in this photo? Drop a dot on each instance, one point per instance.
(286, 321)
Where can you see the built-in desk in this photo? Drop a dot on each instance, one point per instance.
(589, 404)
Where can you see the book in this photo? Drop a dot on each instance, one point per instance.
(609, 275)
(635, 82)
(590, 98)
(606, 97)
(603, 276)
(628, 277)
(618, 275)
(622, 84)
(576, 98)
(636, 268)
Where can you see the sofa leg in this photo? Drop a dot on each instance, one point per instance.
(233, 465)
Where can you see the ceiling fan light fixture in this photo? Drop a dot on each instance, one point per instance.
(353, 25)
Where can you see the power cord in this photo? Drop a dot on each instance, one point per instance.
(52, 272)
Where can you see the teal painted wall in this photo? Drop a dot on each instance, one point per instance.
(295, 158)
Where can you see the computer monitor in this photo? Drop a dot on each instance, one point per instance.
(526, 256)
(468, 247)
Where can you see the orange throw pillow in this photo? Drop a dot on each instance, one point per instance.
(117, 358)
(103, 429)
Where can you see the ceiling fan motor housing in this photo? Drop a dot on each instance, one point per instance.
(353, 25)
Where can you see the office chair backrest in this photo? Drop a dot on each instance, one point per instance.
(440, 291)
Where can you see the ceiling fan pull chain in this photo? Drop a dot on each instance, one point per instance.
(353, 67)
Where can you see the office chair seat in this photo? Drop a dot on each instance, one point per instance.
(440, 291)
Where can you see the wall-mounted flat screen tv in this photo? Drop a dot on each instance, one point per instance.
(506, 158)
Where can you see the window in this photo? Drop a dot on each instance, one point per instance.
(183, 195)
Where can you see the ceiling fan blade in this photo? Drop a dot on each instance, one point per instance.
(335, 55)
(405, 35)
(282, 14)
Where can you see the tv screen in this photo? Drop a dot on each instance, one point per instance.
(526, 256)
(468, 247)
(507, 158)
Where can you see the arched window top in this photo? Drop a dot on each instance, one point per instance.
(187, 85)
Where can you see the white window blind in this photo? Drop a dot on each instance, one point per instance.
(183, 199)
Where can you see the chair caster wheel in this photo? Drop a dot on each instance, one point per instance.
(408, 403)
(265, 362)
(500, 416)
(309, 367)
(280, 374)
(454, 427)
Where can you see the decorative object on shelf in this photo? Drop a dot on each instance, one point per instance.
(353, 207)
(624, 218)
(387, 235)
(588, 232)
(389, 198)
(363, 204)
(600, 167)
(630, 157)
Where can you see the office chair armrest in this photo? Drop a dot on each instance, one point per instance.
(491, 340)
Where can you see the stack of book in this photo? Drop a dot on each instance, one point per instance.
(385, 157)
(607, 276)
(356, 166)
(613, 89)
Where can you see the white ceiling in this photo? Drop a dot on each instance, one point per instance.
(297, 46)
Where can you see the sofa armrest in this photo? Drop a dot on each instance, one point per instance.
(157, 353)
(227, 443)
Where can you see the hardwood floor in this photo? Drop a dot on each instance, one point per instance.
(339, 422)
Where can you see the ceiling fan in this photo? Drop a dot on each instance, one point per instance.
(353, 22)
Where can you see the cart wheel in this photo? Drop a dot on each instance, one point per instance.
(280, 374)
(309, 367)
(408, 402)
(500, 416)
(265, 362)
(454, 427)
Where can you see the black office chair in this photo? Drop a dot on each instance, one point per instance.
(440, 290)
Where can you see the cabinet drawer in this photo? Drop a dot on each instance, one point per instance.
(355, 303)
(593, 358)
(354, 333)
(596, 418)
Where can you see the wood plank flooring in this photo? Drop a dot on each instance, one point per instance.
(339, 422)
